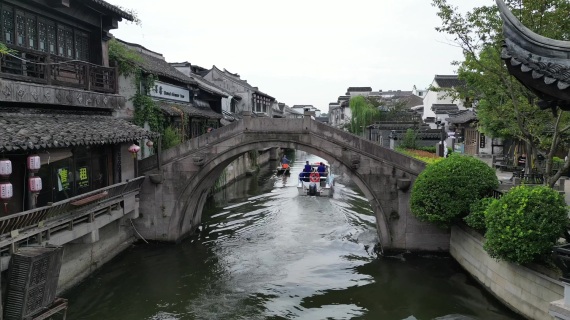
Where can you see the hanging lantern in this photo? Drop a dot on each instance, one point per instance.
(149, 143)
(5, 168)
(134, 149)
(6, 191)
(34, 162)
(35, 184)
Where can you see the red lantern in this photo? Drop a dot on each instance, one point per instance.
(6, 191)
(35, 184)
(149, 143)
(34, 162)
(5, 168)
(134, 149)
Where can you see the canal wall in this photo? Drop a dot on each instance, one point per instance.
(525, 291)
(244, 165)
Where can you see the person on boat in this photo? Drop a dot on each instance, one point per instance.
(306, 172)
(322, 170)
(284, 162)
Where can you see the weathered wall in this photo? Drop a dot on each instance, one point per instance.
(81, 259)
(523, 290)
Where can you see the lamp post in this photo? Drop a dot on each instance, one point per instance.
(443, 136)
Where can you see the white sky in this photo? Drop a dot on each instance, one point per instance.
(302, 52)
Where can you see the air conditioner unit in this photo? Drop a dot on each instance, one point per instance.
(32, 281)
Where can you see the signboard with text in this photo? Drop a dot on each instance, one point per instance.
(167, 91)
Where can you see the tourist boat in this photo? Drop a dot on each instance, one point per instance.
(281, 170)
(315, 184)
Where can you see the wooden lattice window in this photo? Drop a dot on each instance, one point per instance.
(42, 32)
(31, 31)
(51, 38)
(8, 24)
(81, 46)
(20, 28)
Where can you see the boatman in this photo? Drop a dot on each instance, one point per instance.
(308, 167)
(284, 162)
(322, 170)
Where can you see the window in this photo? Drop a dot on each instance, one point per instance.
(86, 170)
(29, 30)
(8, 24)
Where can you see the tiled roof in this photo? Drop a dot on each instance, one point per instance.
(462, 117)
(174, 109)
(448, 81)
(157, 66)
(32, 131)
(115, 9)
(358, 89)
(444, 108)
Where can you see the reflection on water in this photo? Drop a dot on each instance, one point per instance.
(264, 252)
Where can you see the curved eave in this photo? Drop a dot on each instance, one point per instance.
(516, 32)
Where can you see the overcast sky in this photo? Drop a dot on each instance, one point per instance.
(301, 51)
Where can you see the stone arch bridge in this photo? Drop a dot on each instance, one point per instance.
(171, 199)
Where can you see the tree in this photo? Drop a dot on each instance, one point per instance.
(363, 114)
(505, 108)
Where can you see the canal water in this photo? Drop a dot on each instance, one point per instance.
(264, 252)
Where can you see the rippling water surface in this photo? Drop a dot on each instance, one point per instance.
(265, 252)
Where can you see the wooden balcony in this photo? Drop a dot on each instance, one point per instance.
(34, 226)
(43, 68)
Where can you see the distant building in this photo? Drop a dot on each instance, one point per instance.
(439, 102)
(307, 107)
(250, 97)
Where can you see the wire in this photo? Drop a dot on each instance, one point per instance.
(52, 63)
(131, 220)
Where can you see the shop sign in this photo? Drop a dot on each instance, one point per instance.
(167, 91)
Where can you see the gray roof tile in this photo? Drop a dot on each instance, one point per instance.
(30, 131)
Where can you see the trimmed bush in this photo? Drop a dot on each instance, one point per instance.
(443, 192)
(525, 223)
(476, 217)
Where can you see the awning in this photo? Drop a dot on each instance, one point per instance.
(32, 131)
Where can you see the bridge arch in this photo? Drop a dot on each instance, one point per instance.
(212, 169)
(172, 208)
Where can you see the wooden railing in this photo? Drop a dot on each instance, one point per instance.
(69, 207)
(40, 67)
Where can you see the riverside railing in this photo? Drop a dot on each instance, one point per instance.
(67, 208)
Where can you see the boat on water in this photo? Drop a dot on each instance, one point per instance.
(315, 183)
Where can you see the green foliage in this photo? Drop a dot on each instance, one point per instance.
(476, 217)
(170, 138)
(5, 50)
(126, 59)
(431, 149)
(444, 191)
(410, 140)
(525, 224)
(505, 107)
(363, 114)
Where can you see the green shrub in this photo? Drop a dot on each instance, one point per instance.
(170, 138)
(525, 223)
(476, 217)
(410, 140)
(443, 192)
(431, 149)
